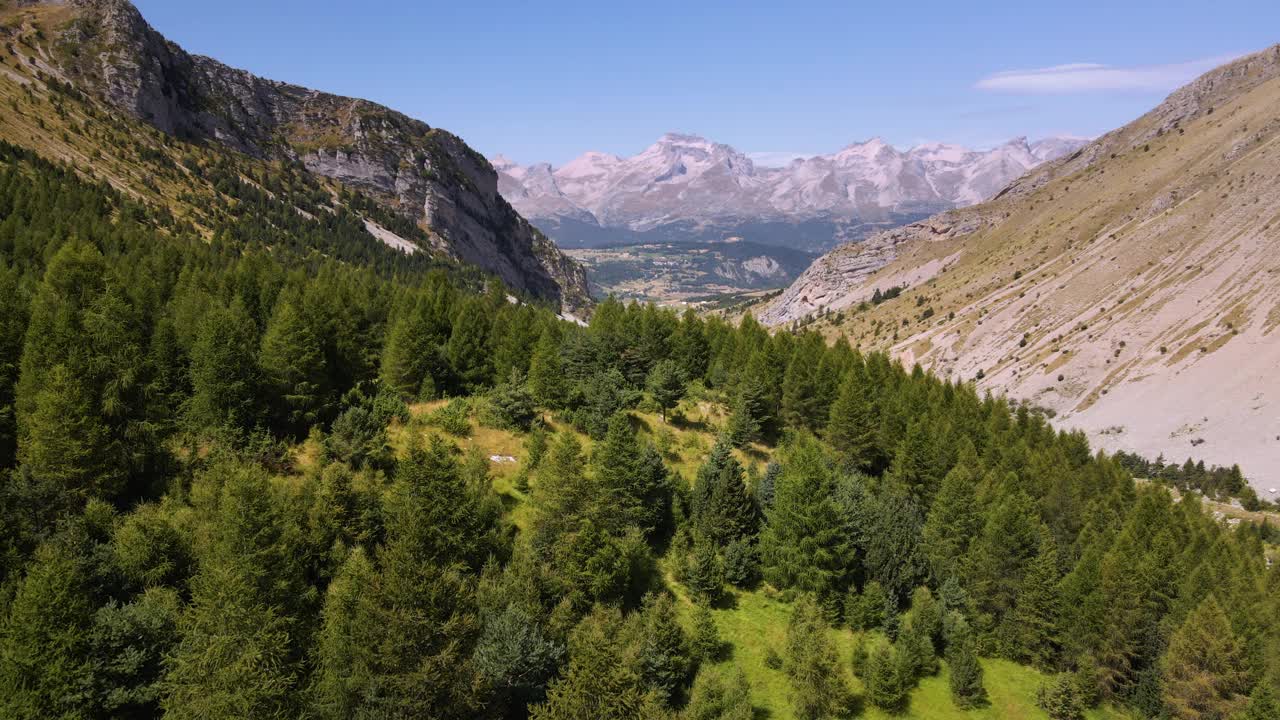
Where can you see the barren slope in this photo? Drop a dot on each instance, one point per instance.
(1133, 287)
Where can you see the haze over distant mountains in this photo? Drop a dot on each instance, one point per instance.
(685, 187)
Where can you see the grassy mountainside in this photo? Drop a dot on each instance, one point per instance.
(1129, 287)
(101, 56)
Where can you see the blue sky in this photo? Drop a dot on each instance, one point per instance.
(545, 81)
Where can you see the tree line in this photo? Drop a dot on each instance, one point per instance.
(160, 556)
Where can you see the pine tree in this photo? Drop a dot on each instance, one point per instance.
(546, 372)
(1000, 557)
(633, 487)
(705, 574)
(806, 397)
(294, 372)
(954, 520)
(240, 650)
(65, 439)
(1035, 619)
(705, 643)
(852, 429)
(867, 610)
(715, 698)
(722, 506)
(966, 676)
(894, 556)
(468, 348)
(226, 381)
(818, 689)
(1262, 704)
(1061, 698)
(1205, 669)
(343, 643)
(13, 325)
(667, 385)
(44, 637)
(663, 658)
(911, 467)
(690, 348)
(516, 659)
(595, 686)
(412, 359)
(886, 688)
(804, 545)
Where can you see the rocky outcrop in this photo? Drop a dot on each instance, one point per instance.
(423, 172)
(843, 277)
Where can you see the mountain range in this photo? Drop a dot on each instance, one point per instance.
(1130, 288)
(685, 187)
(115, 63)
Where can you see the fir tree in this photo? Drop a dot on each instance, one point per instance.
(667, 385)
(966, 680)
(595, 686)
(851, 428)
(817, 686)
(886, 687)
(715, 698)
(225, 378)
(804, 545)
(722, 506)
(954, 520)
(705, 643)
(293, 368)
(1036, 613)
(468, 348)
(546, 372)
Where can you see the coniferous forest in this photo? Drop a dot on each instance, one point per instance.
(166, 551)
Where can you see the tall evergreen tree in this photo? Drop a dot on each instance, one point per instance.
(966, 676)
(293, 368)
(546, 372)
(1034, 632)
(595, 686)
(224, 375)
(722, 506)
(851, 428)
(954, 520)
(667, 385)
(1205, 669)
(468, 349)
(804, 544)
(13, 326)
(818, 689)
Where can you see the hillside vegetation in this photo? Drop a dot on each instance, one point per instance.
(233, 488)
(1129, 287)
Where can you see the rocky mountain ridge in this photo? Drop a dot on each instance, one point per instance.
(1129, 287)
(106, 48)
(689, 180)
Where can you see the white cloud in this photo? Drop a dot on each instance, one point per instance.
(1094, 77)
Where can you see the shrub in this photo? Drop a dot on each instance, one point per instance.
(452, 418)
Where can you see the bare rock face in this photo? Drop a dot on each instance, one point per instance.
(425, 173)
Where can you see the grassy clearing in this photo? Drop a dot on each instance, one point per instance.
(756, 622)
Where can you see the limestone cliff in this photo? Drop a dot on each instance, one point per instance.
(430, 175)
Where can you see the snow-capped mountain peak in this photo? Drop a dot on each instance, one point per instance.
(687, 179)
